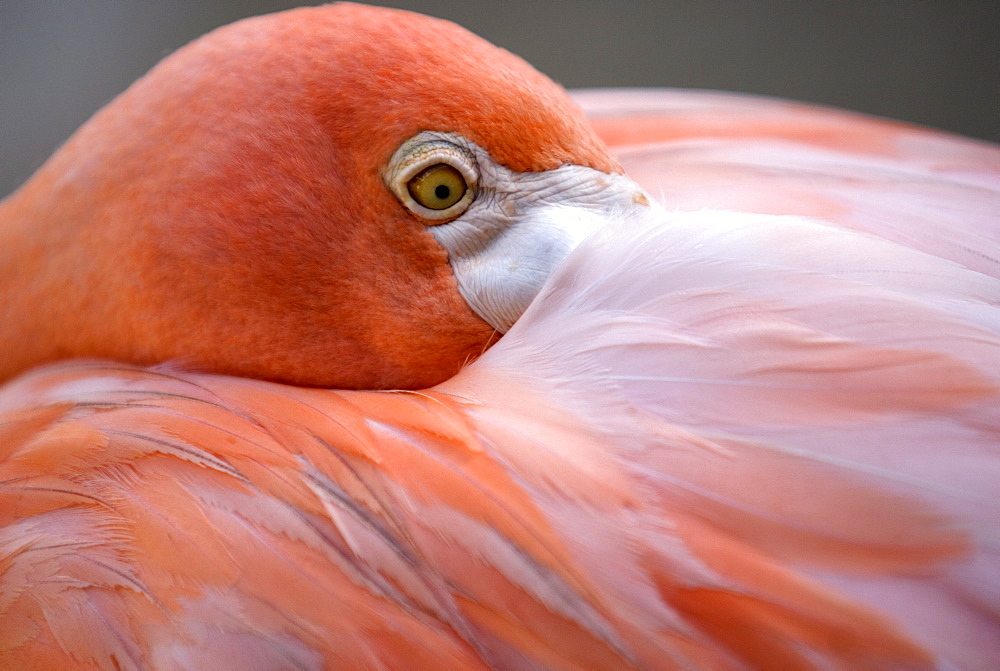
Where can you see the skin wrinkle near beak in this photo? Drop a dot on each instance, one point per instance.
(504, 248)
(519, 225)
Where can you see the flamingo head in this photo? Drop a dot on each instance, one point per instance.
(341, 196)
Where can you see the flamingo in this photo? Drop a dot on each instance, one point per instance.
(744, 412)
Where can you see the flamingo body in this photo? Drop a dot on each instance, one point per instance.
(764, 438)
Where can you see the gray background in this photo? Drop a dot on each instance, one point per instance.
(935, 62)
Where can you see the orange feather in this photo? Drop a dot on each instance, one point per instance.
(716, 439)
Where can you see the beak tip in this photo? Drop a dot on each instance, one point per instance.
(639, 198)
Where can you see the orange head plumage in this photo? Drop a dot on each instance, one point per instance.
(235, 209)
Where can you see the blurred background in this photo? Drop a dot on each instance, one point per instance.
(935, 62)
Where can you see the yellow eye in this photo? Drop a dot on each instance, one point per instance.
(438, 187)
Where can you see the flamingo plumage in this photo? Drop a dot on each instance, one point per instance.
(752, 426)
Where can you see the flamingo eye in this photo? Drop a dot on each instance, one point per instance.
(438, 187)
(434, 178)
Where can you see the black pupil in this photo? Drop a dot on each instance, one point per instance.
(442, 191)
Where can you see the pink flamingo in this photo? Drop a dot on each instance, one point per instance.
(753, 421)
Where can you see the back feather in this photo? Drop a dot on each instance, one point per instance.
(924, 189)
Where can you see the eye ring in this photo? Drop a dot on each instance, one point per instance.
(418, 171)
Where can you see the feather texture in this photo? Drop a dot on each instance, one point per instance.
(759, 428)
(697, 449)
(708, 150)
